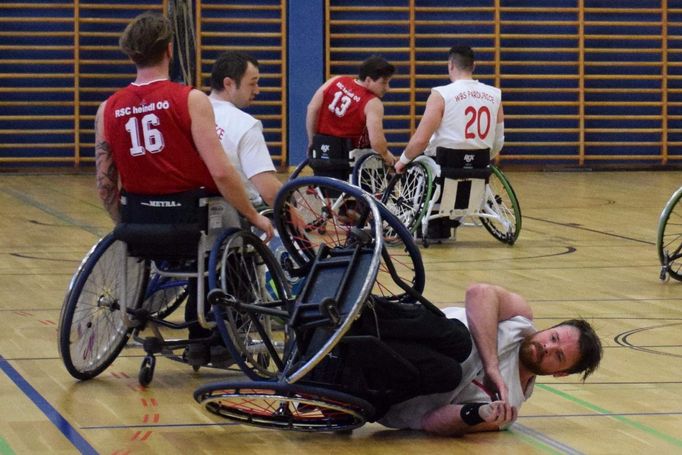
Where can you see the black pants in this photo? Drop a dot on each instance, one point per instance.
(433, 345)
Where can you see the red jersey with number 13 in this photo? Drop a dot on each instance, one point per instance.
(343, 111)
(148, 127)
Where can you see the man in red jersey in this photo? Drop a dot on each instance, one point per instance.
(158, 137)
(351, 108)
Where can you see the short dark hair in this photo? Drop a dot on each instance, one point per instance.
(375, 68)
(462, 57)
(589, 345)
(230, 64)
(146, 38)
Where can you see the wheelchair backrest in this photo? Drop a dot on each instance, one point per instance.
(463, 176)
(329, 156)
(165, 226)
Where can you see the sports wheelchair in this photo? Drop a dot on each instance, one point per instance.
(460, 187)
(669, 238)
(331, 156)
(133, 280)
(334, 233)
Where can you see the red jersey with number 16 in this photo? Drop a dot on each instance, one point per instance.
(343, 111)
(148, 127)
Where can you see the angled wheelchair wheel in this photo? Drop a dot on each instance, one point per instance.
(371, 174)
(501, 203)
(298, 169)
(250, 275)
(312, 211)
(408, 194)
(164, 295)
(669, 238)
(91, 329)
(284, 406)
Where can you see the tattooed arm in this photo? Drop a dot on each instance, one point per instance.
(107, 174)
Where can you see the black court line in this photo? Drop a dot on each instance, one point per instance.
(38, 258)
(569, 250)
(623, 340)
(595, 231)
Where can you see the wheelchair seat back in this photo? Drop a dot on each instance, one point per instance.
(163, 227)
(329, 156)
(464, 175)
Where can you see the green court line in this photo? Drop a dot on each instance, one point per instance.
(639, 426)
(5, 449)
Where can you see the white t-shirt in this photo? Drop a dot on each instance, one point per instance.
(510, 334)
(242, 138)
(469, 116)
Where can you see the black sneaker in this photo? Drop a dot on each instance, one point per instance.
(220, 356)
(198, 354)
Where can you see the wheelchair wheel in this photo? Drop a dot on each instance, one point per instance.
(298, 169)
(285, 406)
(408, 194)
(164, 295)
(249, 274)
(371, 174)
(502, 204)
(311, 211)
(669, 238)
(92, 330)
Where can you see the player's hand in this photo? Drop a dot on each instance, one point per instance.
(263, 223)
(495, 384)
(389, 159)
(500, 413)
(399, 167)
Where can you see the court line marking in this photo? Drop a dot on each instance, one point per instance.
(55, 213)
(621, 418)
(5, 449)
(542, 441)
(595, 231)
(50, 412)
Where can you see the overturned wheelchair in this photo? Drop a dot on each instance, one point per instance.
(133, 280)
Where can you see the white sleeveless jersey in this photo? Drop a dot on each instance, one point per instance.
(469, 117)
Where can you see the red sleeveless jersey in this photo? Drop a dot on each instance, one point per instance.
(148, 129)
(343, 111)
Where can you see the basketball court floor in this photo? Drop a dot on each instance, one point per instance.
(586, 249)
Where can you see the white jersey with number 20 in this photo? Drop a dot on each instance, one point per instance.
(469, 117)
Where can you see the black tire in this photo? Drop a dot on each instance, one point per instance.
(249, 272)
(146, 374)
(669, 238)
(284, 406)
(503, 202)
(320, 202)
(91, 328)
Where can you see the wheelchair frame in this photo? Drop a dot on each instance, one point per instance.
(279, 394)
(669, 238)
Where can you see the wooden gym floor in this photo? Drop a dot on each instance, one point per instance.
(586, 249)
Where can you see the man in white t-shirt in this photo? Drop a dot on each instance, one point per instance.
(498, 374)
(234, 85)
(465, 114)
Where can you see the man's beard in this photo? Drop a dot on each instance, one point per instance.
(527, 356)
